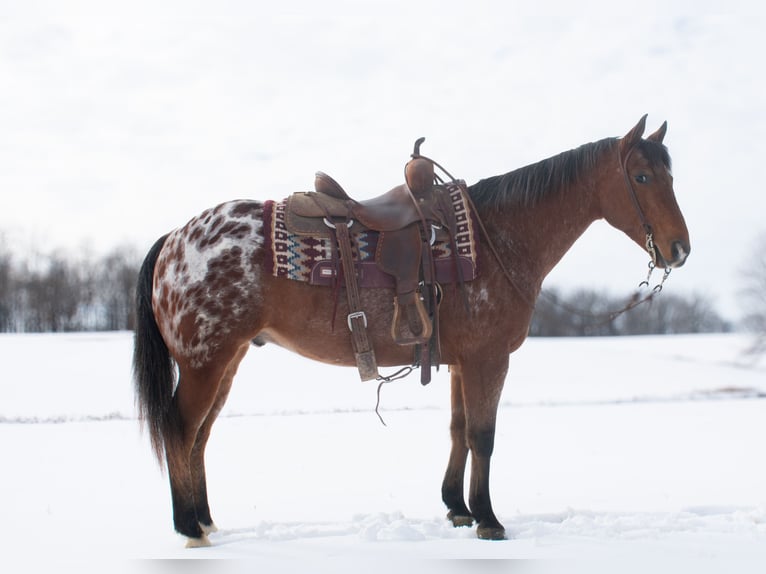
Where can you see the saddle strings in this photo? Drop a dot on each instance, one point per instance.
(400, 374)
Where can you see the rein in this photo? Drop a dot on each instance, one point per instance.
(608, 316)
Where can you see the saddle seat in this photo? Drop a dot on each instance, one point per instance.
(391, 211)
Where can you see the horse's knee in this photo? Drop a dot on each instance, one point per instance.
(482, 441)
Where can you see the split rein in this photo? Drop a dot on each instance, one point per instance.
(606, 317)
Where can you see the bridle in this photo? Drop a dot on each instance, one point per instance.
(649, 243)
(632, 193)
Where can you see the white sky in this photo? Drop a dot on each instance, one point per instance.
(121, 120)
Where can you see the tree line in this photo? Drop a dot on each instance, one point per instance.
(56, 293)
(585, 313)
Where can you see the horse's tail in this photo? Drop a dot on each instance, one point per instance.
(153, 367)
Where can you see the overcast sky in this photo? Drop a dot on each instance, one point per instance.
(121, 120)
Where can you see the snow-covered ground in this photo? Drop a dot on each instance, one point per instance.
(641, 453)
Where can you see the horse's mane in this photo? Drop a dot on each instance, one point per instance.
(526, 186)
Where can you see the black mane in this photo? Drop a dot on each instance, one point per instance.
(526, 186)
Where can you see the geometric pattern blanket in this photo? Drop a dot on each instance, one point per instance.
(315, 259)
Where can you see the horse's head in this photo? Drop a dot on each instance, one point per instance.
(641, 202)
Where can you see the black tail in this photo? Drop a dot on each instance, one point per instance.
(153, 367)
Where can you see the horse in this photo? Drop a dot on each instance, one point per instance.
(203, 300)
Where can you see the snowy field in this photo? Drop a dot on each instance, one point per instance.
(635, 454)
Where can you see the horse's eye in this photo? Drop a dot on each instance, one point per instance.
(642, 178)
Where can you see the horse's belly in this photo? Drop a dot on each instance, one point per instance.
(319, 341)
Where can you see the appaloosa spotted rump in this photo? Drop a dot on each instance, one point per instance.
(206, 277)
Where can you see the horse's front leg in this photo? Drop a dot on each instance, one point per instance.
(453, 485)
(482, 384)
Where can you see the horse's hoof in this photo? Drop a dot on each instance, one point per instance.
(460, 520)
(491, 532)
(200, 542)
(208, 528)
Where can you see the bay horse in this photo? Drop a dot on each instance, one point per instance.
(203, 297)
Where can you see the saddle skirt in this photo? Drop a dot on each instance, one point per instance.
(301, 248)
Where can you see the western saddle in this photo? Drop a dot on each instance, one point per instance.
(407, 219)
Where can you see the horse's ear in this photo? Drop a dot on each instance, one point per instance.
(659, 135)
(633, 136)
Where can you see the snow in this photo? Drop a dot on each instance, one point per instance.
(637, 453)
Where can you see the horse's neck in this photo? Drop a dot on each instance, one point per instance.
(532, 240)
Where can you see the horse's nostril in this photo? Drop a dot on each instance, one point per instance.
(680, 251)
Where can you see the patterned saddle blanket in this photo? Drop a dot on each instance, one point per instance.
(313, 258)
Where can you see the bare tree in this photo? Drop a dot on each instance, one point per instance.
(6, 288)
(583, 313)
(115, 287)
(52, 296)
(754, 295)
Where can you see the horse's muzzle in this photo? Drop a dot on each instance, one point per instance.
(679, 251)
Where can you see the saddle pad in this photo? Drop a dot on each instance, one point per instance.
(314, 259)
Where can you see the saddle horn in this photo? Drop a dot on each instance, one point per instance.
(416, 151)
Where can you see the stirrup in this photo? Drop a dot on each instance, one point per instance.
(405, 324)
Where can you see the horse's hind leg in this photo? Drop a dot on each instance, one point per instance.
(198, 394)
(197, 463)
(179, 439)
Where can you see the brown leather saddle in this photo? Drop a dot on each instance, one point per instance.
(407, 218)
